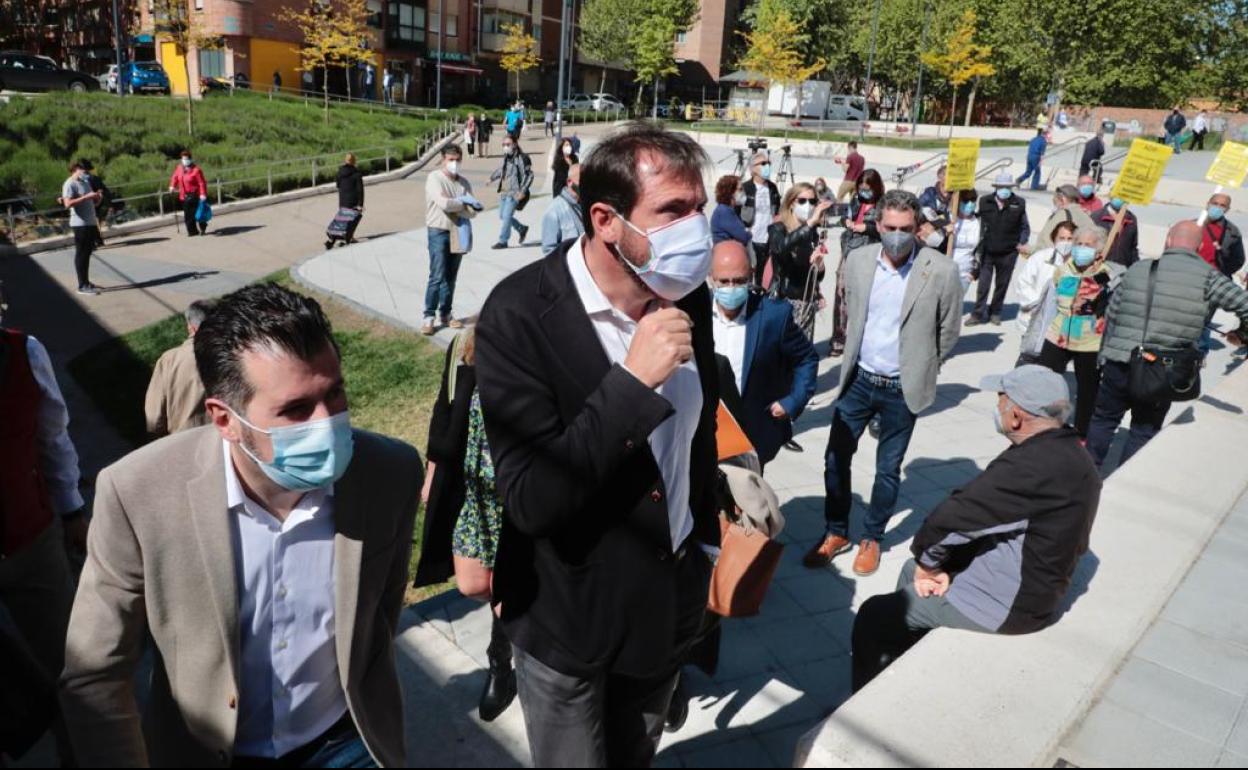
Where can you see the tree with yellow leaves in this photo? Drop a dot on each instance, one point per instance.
(774, 50)
(174, 21)
(519, 51)
(962, 61)
(332, 35)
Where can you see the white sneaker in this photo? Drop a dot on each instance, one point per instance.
(426, 327)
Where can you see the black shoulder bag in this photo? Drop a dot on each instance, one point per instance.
(1162, 374)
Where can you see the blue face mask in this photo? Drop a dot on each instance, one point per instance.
(765, 171)
(968, 209)
(732, 297)
(1216, 213)
(1004, 193)
(1086, 190)
(1083, 255)
(866, 195)
(307, 456)
(1116, 204)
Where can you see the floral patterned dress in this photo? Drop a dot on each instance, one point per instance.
(480, 521)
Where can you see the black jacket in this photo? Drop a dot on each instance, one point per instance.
(1002, 229)
(1175, 123)
(448, 443)
(1093, 150)
(1126, 248)
(350, 187)
(1026, 518)
(561, 167)
(790, 254)
(585, 572)
(747, 212)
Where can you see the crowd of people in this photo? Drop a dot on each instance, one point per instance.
(260, 545)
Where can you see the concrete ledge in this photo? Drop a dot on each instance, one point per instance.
(148, 224)
(961, 699)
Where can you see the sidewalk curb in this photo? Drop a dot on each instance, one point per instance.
(155, 223)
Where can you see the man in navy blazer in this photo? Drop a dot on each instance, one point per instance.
(775, 365)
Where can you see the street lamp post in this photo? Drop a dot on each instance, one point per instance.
(563, 42)
(441, 28)
(117, 44)
(918, 98)
(866, 96)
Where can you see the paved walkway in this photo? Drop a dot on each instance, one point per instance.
(780, 672)
(1181, 698)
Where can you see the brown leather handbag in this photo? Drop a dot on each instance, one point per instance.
(749, 555)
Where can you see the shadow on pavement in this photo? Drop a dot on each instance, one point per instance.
(194, 275)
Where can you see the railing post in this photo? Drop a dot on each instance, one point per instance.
(270, 175)
(218, 191)
(12, 226)
(314, 172)
(160, 200)
(387, 159)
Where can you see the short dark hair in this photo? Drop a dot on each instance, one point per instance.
(452, 149)
(609, 174)
(852, 144)
(186, 153)
(253, 317)
(901, 200)
(197, 311)
(1063, 225)
(725, 188)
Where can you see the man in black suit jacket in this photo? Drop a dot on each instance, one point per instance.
(599, 388)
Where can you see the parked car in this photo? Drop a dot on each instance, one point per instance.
(223, 83)
(108, 81)
(144, 77)
(607, 103)
(579, 102)
(21, 71)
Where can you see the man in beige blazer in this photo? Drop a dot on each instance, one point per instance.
(175, 396)
(904, 305)
(267, 556)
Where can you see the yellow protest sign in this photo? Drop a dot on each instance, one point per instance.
(960, 166)
(1142, 170)
(1231, 165)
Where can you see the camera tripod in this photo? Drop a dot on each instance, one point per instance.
(785, 175)
(741, 165)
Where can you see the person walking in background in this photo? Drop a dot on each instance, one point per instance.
(774, 364)
(514, 120)
(859, 229)
(1066, 208)
(80, 199)
(564, 219)
(464, 513)
(997, 556)
(759, 211)
(470, 134)
(904, 304)
(967, 234)
(1125, 250)
(265, 556)
(548, 121)
(1174, 125)
(43, 517)
(1035, 154)
(277, 82)
(726, 223)
(1185, 291)
(1034, 287)
(1006, 231)
(370, 83)
(175, 394)
(189, 183)
(448, 202)
(797, 254)
(387, 86)
(350, 185)
(596, 368)
(1082, 286)
(101, 206)
(854, 165)
(514, 178)
(565, 158)
(1093, 151)
(485, 127)
(1088, 200)
(1200, 127)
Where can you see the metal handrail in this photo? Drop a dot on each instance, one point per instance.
(905, 172)
(1074, 143)
(1000, 164)
(1096, 167)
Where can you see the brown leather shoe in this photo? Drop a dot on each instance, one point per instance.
(823, 553)
(868, 559)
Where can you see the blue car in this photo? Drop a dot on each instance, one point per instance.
(144, 77)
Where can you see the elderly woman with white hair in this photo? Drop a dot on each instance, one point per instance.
(1081, 289)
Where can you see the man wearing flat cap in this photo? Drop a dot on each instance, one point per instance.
(997, 556)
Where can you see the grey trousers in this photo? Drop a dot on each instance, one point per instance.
(607, 721)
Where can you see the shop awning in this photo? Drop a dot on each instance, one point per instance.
(460, 69)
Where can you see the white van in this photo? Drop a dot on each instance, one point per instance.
(846, 107)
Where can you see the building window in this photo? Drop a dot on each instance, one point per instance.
(452, 25)
(537, 32)
(199, 5)
(493, 23)
(374, 13)
(212, 64)
(407, 22)
(681, 37)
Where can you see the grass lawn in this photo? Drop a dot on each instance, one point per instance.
(392, 377)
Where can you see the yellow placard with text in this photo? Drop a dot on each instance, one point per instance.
(1231, 166)
(1141, 171)
(961, 163)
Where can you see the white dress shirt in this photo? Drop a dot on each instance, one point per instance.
(762, 213)
(881, 338)
(672, 440)
(58, 460)
(289, 690)
(730, 341)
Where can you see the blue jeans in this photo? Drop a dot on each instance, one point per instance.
(1175, 141)
(1033, 171)
(339, 746)
(443, 269)
(862, 400)
(507, 213)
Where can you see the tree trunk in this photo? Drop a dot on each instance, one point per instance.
(762, 110)
(348, 71)
(602, 84)
(656, 97)
(190, 106)
(325, 92)
(797, 111)
(953, 111)
(970, 105)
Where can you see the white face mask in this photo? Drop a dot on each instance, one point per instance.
(187, 162)
(739, 198)
(567, 149)
(680, 256)
(452, 167)
(803, 211)
(1063, 247)
(933, 239)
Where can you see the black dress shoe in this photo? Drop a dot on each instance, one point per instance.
(678, 709)
(524, 232)
(499, 692)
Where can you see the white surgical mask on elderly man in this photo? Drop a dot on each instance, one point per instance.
(452, 167)
(680, 255)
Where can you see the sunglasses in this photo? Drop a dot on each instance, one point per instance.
(805, 200)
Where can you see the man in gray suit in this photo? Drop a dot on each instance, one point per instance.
(266, 554)
(904, 304)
